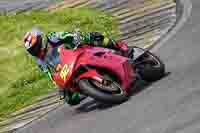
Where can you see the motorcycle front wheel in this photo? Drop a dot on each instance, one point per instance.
(108, 93)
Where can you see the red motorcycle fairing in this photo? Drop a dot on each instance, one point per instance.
(91, 74)
(72, 60)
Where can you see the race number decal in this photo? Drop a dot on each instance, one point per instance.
(64, 72)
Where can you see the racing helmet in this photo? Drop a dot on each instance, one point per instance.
(33, 41)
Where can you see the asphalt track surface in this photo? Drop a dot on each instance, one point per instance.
(16, 5)
(170, 105)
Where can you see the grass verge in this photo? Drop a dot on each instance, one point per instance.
(21, 82)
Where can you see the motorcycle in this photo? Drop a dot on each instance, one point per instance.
(102, 73)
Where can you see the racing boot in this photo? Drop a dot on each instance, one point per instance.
(125, 50)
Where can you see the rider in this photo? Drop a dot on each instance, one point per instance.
(33, 42)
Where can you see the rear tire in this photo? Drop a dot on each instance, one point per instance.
(151, 72)
(89, 89)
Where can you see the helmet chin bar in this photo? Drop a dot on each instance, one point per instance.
(27, 45)
(36, 50)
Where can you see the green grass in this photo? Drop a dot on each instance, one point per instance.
(21, 82)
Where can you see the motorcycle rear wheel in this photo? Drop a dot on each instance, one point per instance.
(152, 68)
(102, 93)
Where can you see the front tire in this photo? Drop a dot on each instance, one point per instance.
(88, 88)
